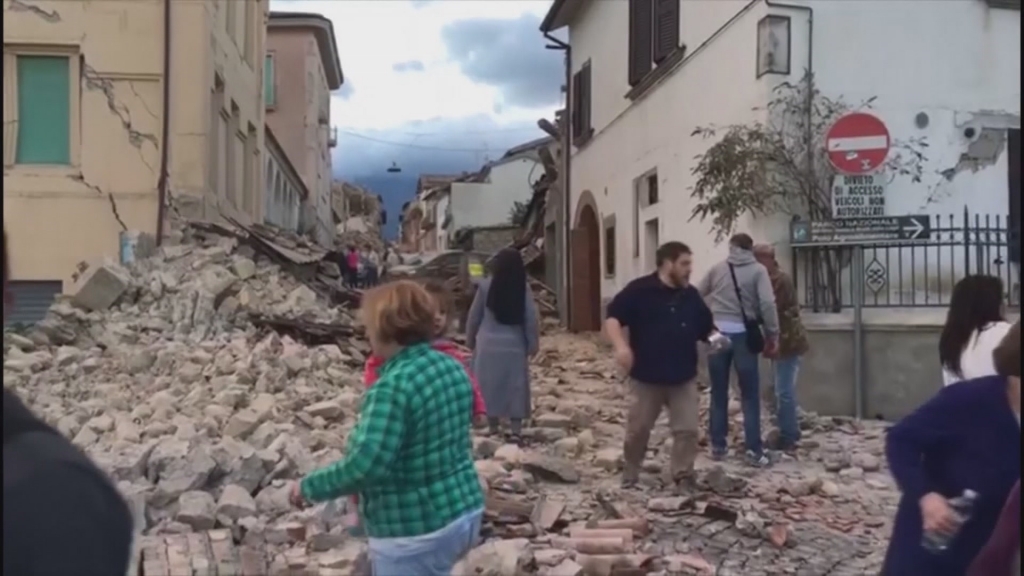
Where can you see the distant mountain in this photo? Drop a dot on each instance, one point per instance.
(366, 163)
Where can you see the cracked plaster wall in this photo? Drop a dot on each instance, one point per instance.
(111, 185)
(57, 216)
(957, 71)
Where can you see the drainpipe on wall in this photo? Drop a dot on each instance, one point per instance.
(557, 44)
(162, 181)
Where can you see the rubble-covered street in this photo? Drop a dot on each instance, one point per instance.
(215, 378)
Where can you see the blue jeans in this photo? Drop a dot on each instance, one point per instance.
(719, 364)
(433, 554)
(786, 370)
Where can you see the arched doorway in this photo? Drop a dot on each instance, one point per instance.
(585, 247)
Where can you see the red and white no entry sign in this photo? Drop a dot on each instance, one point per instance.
(857, 143)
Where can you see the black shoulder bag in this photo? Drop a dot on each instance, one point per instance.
(755, 338)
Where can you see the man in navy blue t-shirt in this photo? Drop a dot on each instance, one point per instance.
(654, 325)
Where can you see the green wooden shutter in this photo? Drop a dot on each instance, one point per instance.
(269, 95)
(44, 110)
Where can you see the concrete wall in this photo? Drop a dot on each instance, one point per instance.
(489, 204)
(490, 240)
(301, 116)
(901, 363)
(116, 120)
(441, 210)
(956, 67)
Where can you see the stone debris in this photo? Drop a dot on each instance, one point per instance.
(215, 377)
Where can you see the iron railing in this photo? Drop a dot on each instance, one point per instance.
(907, 273)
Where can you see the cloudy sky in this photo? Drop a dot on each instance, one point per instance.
(436, 86)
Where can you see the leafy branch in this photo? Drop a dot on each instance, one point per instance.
(780, 164)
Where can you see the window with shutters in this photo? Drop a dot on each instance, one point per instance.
(654, 46)
(269, 82)
(41, 98)
(582, 126)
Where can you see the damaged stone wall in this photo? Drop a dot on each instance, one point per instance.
(117, 104)
(110, 182)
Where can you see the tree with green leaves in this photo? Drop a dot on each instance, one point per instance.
(780, 165)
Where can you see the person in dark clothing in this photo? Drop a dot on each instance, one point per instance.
(967, 437)
(654, 325)
(503, 330)
(1001, 555)
(62, 516)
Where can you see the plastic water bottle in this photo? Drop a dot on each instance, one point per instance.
(963, 507)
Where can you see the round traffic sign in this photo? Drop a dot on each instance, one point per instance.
(858, 143)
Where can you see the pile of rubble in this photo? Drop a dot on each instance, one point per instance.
(173, 376)
(195, 379)
(556, 506)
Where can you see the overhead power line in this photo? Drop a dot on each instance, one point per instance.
(420, 146)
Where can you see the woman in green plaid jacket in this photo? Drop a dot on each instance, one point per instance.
(410, 456)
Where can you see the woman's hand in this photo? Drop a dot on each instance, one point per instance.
(938, 516)
(296, 497)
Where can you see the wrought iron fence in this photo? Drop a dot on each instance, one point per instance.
(907, 273)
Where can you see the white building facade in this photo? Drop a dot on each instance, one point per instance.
(944, 71)
(490, 203)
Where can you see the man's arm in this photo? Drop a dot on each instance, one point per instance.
(706, 321)
(65, 520)
(621, 312)
(766, 302)
(921, 432)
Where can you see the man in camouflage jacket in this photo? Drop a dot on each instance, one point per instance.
(792, 345)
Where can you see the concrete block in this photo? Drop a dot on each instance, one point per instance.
(100, 286)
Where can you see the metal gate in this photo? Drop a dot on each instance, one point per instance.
(31, 300)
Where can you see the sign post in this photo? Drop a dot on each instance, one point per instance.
(861, 230)
(857, 143)
(858, 196)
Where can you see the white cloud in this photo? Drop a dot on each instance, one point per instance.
(374, 35)
(432, 121)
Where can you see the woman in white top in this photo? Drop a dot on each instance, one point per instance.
(974, 327)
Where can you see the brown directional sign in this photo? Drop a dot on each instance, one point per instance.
(861, 230)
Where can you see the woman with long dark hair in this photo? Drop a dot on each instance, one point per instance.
(974, 327)
(503, 331)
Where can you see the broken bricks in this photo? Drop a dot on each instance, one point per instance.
(231, 405)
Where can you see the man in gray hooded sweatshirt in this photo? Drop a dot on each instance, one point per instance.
(739, 293)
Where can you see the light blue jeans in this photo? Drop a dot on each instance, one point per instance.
(786, 370)
(719, 365)
(433, 554)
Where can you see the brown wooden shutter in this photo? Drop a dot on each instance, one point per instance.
(641, 21)
(666, 29)
(577, 105)
(585, 100)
